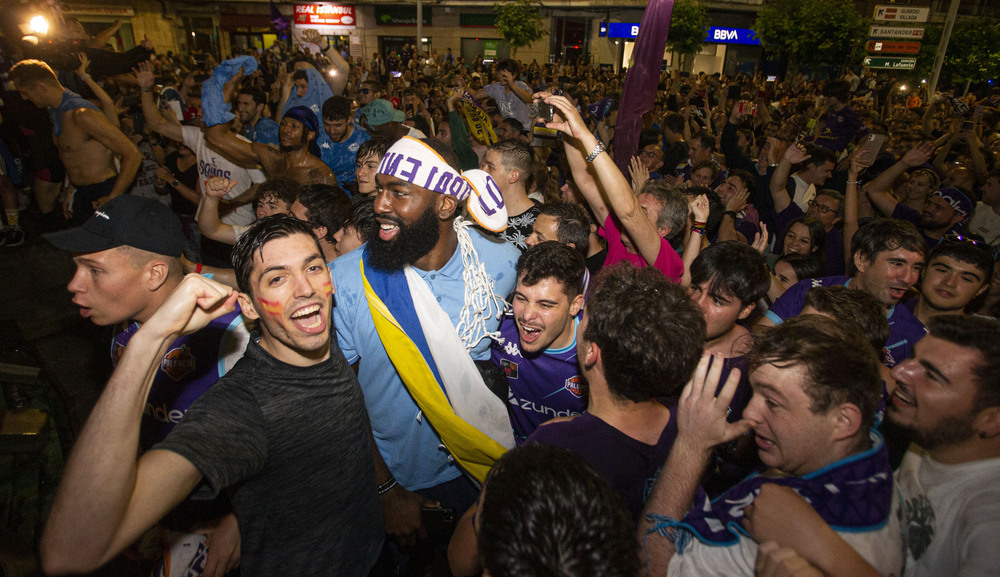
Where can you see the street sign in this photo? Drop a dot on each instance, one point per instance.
(887, 47)
(894, 32)
(898, 13)
(891, 63)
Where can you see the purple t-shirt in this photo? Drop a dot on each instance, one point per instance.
(912, 215)
(841, 128)
(833, 261)
(630, 466)
(904, 328)
(542, 386)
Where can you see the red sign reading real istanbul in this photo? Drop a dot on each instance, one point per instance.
(324, 15)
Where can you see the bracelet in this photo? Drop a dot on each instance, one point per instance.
(700, 223)
(387, 486)
(730, 213)
(147, 89)
(853, 182)
(597, 150)
(175, 183)
(197, 268)
(698, 230)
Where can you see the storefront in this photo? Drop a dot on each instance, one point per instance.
(248, 31)
(335, 22)
(727, 50)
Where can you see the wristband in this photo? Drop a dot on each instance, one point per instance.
(730, 213)
(700, 223)
(147, 89)
(597, 151)
(698, 230)
(387, 485)
(197, 268)
(175, 183)
(853, 182)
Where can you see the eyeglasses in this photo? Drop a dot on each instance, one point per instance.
(821, 208)
(649, 154)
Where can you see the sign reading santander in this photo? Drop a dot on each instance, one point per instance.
(325, 15)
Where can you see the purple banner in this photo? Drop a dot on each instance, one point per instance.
(639, 91)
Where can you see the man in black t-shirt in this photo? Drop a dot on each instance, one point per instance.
(285, 431)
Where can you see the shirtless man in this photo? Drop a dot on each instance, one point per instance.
(298, 155)
(87, 141)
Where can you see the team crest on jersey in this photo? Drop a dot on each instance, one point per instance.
(178, 363)
(572, 385)
(117, 350)
(509, 368)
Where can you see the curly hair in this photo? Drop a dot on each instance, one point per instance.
(555, 260)
(651, 334)
(546, 513)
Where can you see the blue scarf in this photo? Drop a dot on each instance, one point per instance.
(70, 101)
(392, 288)
(213, 109)
(852, 494)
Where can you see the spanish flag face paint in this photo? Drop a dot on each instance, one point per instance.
(328, 288)
(272, 308)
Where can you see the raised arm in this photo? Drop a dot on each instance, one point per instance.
(222, 140)
(154, 120)
(701, 426)
(107, 105)
(341, 68)
(620, 198)
(107, 498)
(794, 154)
(878, 189)
(208, 213)
(851, 202)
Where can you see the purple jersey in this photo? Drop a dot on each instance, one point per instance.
(630, 466)
(904, 328)
(193, 363)
(542, 385)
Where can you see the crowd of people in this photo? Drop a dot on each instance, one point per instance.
(410, 316)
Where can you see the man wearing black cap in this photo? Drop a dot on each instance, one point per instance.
(127, 259)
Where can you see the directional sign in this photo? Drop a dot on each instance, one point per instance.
(887, 47)
(894, 32)
(893, 63)
(899, 13)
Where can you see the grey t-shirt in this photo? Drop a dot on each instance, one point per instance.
(292, 445)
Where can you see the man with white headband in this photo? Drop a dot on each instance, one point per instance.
(415, 307)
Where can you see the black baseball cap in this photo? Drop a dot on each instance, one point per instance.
(126, 220)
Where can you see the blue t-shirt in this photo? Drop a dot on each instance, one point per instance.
(342, 155)
(543, 385)
(407, 442)
(904, 328)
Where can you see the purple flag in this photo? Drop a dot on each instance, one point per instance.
(639, 91)
(277, 20)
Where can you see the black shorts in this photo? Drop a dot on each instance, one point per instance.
(83, 200)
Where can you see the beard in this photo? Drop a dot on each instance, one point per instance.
(413, 241)
(948, 431)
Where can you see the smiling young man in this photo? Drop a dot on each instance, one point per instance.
(815, 387)
(345, 137)
(958, 270)
(414, 306)
(538, 352)
(888, 258)
(250, 105)
(285, 430)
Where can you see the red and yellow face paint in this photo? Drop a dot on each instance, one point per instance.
(328, 288)
(272, 308)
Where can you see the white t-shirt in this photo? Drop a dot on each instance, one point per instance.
(985, 223)
(211, 163)
(952, 516)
